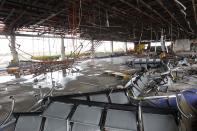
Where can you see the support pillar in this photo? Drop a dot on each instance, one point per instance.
(62, 49)
(92, 49)
(135, 46)
(126, 48)
(73, 43)
(155, 48)
(148, 48)
(15, 59)
(112, 47)
(163, 43)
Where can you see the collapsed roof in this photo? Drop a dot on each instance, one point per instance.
(101, 19)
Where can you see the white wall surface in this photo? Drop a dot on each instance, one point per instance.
(181, 45)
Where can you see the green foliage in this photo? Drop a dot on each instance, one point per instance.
(46, 58)
(78, 55)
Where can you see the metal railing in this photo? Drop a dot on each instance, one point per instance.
(10, 113)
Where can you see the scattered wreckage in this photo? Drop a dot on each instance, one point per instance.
(146, 103)
(109, 110)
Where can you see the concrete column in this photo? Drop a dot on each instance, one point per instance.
(62, 49)
(92, 49)
(148, 46)
(163, 43)
(135, 45)
(73, 43)
(126, 48)
(155, 48)
(112, 47)
(15, 59)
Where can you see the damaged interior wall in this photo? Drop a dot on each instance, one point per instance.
(182, 45)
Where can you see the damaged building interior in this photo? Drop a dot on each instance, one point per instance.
(98, 65)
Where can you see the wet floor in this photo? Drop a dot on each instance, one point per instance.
(85, 76)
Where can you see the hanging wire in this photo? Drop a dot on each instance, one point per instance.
(141, 33)
(107, 19)
(25, 58)
(178, 2)
(80, 17)
(18, 48)
(151, 32)
(99, 19)
(171, 29)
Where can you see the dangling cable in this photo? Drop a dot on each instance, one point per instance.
(80, 17)
(178, 2)
(141, 33)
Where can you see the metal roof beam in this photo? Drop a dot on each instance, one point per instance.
(157, 13)
(2, 3)
(35, 1)
(9, 15)
(139, 10)
(194, 9)
(18, 18)
(49, 17)
(153, 10)
(172, 16)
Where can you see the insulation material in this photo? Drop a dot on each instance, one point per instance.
(58, 110)
(86, 114)
(119, 98)
(157, 122)
(83, 127)
(28, 123)
(181, 45)
(124, 120)
(99, 98)
(52, 124)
